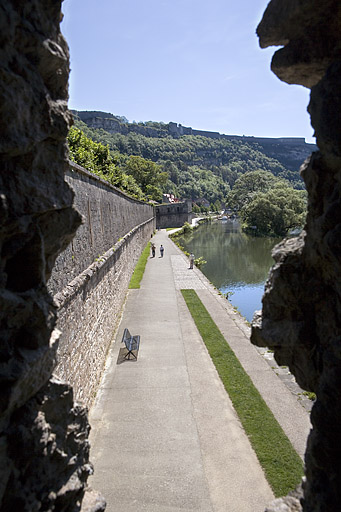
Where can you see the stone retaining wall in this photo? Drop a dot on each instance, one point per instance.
(108, 215)
(91, 277)
(89, 309)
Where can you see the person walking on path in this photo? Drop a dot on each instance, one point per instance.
(161, 250)
(191, 260)
(153, 250)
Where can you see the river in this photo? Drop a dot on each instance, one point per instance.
(237, 263)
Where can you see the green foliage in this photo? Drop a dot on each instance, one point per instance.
(275, 211)
(147, 174)
(200, 262)
(267, 205)
(310, 394)
(248, 186)
(227, 295)
(224, 157)
(195, 182)
(186, 228)
(217, 205)
(197, 167)
(282, 466)
(141, 178)
(96, 158)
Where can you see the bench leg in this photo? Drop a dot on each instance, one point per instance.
(127, 356)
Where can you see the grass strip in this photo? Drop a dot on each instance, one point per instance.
(281, 464)
(139, 269)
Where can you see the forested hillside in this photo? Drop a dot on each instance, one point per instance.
(224, 158)
(268, 196)
(289, 151)
(197, 166)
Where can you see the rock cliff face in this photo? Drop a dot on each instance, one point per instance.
(288, 151)
(301, 314)
(44, 447)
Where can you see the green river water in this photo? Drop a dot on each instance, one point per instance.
(236, 262)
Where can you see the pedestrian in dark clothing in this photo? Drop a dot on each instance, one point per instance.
(161, 250)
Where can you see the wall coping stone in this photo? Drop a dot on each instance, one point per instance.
(63, 297)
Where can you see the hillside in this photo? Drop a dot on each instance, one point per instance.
(290, 152)
(197, 165)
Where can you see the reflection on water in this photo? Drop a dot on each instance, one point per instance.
(236, 262)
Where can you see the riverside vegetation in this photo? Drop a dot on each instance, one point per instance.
(268, 197)
(185, 230)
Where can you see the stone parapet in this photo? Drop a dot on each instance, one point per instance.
(89, 309)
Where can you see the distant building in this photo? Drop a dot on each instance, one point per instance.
(173, 215)
(169, 199)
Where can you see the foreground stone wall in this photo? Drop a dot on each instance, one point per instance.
(301, 316)
(44, 445)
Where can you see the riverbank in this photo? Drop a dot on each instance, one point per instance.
(165, 421)
(237, 263)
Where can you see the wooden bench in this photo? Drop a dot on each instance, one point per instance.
(131, 343)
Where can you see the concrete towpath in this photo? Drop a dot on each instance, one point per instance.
(165, 436)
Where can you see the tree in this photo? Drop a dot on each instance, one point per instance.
(148, 175)
(259, 215)
(172, 170)
(96, 158)
(227, 159)
(248, 186)
(275, 211)
(217, 205)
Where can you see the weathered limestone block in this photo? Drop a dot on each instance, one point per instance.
(309, 31)
(48, 427)
(291, 503)
(43, 444)
(301, 315)
(93, 501)
(287, 319)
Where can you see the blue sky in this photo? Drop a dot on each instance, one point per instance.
(194, 62)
